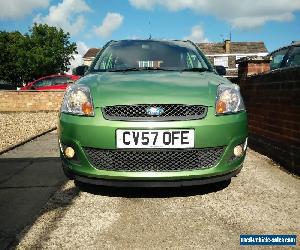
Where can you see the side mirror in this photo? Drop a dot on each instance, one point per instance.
(80, 70)
(221, 70)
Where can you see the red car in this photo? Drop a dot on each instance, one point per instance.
(53, 82)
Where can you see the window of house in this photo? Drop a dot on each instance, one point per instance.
(277, 58)
(221, 61)
(294, 59)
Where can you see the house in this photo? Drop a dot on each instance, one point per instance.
(221, 53)
(89, 56)
(226, 53)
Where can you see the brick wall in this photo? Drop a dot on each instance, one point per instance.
(11, 101)
(273, 104)
(252, 65)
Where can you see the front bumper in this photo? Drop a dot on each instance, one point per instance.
(96, 132)
(150, 183)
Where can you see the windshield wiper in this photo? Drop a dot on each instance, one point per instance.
(123, 70)
(137, 69)
(197, 69)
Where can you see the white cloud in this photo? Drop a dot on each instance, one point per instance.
(110, 23)
(245, 23)
(14, 9)
(82, 48)
(197, 35)
(66, 15)
(244, 14)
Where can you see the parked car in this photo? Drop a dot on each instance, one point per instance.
(4, 85)
(53, 82)
(288, 56)
(152, 113)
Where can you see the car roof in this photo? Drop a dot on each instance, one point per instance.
(174, 41)
(293, 44)
(152, 40)
(57, 75)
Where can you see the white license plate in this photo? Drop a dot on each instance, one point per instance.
(167, 138)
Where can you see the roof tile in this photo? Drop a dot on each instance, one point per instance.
(235, 48)
(92, 52)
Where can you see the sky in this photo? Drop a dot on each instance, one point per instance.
(93, 23)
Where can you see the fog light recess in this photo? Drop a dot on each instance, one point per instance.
(238, 150)
(69, 152)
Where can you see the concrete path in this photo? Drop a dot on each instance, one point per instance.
(29, 175)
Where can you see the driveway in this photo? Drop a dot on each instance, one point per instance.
(262, 200)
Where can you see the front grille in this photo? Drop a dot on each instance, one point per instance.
(140, 112)
(154, 159)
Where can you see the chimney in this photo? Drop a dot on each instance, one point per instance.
(227, 46)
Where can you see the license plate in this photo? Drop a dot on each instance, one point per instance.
(168, 138)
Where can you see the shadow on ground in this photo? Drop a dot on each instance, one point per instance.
(26, 184)
(152, 192)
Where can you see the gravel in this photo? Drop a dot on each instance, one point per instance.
(262, 200)
(19, 127)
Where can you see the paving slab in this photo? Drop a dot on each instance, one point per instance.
(41, 147)
(7, 169)
(29, 175)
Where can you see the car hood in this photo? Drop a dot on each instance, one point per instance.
(125, 88)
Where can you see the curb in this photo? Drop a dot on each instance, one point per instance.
(27, 140)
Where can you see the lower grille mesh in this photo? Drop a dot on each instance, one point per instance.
(154, 160)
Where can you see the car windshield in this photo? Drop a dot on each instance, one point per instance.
(135, 55)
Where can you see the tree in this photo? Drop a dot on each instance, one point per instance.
(43, 51)
(11, 47)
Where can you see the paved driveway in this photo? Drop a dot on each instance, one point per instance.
(262, 200)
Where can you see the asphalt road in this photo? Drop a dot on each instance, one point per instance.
(262, 200)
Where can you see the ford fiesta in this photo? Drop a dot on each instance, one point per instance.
(152, 113)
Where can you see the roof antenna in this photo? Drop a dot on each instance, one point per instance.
(230, 33)
(150, 36)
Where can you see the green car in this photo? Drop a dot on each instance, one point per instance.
(152, 113)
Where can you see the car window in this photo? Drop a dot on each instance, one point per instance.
(149, 54)
(43, 83)
(192, 61)
(277, 58)
(294, 59)
(61, 80)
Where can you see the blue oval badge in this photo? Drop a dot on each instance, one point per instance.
(154, 111)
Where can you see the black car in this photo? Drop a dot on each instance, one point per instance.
(288, 56)
(4, 85)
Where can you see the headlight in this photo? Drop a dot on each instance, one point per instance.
(78, 101)
(229, 99)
